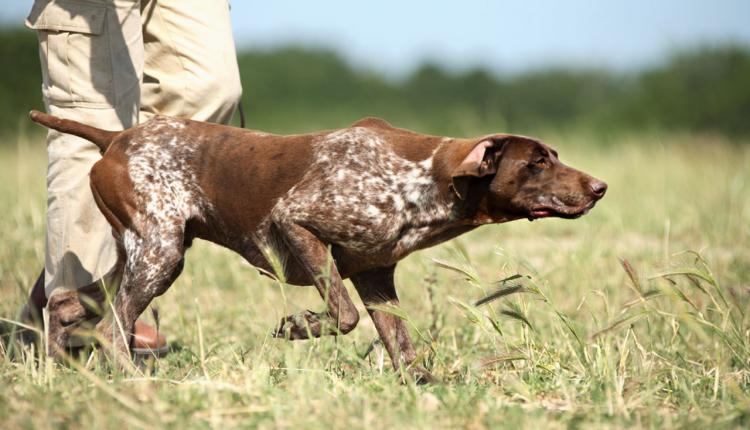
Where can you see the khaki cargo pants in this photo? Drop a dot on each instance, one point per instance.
(111, 64)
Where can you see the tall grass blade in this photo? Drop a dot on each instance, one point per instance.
(632, 274)
(502, 293)
(618, 323)
(468, 275)
(517, 316)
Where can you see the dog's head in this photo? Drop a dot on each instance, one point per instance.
(514, 177)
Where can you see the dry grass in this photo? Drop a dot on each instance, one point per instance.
(634, 316)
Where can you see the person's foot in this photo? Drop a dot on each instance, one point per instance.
(148, 341)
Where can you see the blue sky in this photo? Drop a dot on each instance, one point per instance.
(506, 36)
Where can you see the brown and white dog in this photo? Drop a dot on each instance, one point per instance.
(371, 193)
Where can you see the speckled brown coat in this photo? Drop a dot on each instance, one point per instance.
(370, 193)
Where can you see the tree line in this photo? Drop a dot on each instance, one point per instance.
(703, 90)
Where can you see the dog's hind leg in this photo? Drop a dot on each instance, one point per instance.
(76, 310)
(340, 316)
(154, 259)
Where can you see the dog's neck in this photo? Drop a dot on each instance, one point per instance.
(441, 215)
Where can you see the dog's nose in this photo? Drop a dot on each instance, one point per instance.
(598, 188)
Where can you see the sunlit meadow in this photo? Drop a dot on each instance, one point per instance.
(632, 316)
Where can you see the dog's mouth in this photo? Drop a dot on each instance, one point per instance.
(560, 211)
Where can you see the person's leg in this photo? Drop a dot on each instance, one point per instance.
(191, 72)
(190, 68)
(92, 62)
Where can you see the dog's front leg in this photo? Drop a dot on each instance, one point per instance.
(376, 287)
(340, 316)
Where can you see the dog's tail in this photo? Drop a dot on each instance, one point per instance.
(99, 137)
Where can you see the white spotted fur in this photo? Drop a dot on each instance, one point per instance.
(364, 196)
(166, 187)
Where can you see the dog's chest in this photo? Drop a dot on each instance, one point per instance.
(360, 195)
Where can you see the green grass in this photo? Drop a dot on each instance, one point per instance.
(583, 343)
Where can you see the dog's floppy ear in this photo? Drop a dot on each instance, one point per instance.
(482, 160)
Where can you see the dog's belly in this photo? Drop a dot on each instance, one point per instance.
(352, 260)
(267, 252)
(383, 254)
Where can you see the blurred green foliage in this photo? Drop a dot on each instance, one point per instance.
(292, 89)
(21, 85)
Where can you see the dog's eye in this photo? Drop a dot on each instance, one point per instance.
(538, 164)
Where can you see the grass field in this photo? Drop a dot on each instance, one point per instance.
(586, 343)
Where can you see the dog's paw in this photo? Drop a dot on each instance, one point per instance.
(302, 325)
(422, 376)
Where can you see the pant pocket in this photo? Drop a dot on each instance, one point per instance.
(75, 52)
